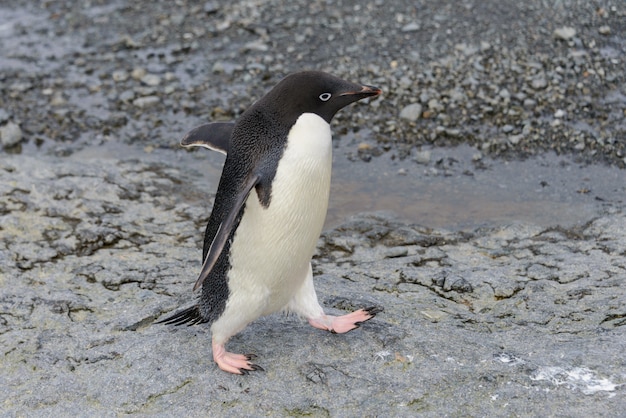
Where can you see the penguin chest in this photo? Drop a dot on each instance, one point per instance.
(272, 247)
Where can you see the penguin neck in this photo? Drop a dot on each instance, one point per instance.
(310, 139)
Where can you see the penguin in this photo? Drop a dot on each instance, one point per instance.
(269, 211)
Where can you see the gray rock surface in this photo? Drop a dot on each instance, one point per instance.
(514, 320)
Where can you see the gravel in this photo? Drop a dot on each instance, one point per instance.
(474, 67)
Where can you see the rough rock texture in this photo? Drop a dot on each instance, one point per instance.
(515, 320)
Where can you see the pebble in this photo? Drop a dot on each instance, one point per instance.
(119, 75)
(4, 116)
(422, 157)
(565, 33)
(211, 7)
(151, 80)
(138, 73)
(604, 30)
(411, 112)
(258, 46)
(539, 83)
(411, 27)
(127, 96)
(146, 101)
(10, 134)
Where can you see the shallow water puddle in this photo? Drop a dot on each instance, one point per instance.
(451, 191)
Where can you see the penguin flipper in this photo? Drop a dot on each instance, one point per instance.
(214, 136)
(224, 230)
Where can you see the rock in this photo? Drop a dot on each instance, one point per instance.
(258, 46)
(565, 33)
(10, 134)
(4, 116)
(151, 80)
(146, 101)
(119, 75)
(422, 157)
(211, 7)
(411, 112)
(138, 73)
(539, 83)
(604, 30)
(411, 27)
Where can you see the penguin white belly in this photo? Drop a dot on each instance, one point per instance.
(273, 246)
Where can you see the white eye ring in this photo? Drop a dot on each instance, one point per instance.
(325, 97)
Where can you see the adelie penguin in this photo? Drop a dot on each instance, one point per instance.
(269, 212)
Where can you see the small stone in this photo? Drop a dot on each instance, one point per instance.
(411, 27)
(560, 113)
(211, 7)
(539, 83)
(604, 30)
(10, 134)
(138, 73)
(529, 103)
(411, 112)
(151, 80)
(565, 33)
(147, 101)
(507, 129)
(4, 116)
(504, 93)
(119, 75)
(258, 46)
(57, 99)
(422, 157)
(127, 96)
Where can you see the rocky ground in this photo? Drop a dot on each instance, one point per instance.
(512, 318)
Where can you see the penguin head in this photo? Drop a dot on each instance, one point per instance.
(315, 92)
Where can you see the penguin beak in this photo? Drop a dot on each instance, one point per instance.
(366, 91)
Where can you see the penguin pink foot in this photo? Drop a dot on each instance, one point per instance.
(344, 323)
(233, 363)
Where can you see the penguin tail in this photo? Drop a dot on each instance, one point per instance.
(189, 316)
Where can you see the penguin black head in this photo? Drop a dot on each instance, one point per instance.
(314, 92)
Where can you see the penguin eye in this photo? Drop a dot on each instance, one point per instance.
(325, 97)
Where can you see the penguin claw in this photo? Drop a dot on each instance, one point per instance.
(373, 310)
(257, 368)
